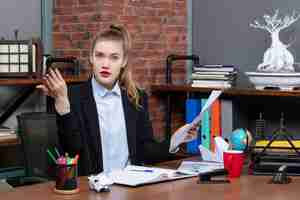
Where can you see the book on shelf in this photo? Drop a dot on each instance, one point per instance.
(205, 126)
(211, 77)
(215, 122)
(212, 83)
(227, 116)
(5, 131)
(219, 68)
(215, 73)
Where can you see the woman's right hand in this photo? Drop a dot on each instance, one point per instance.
(55, 86)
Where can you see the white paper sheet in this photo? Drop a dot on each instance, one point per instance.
(196, 167)
(212, 97)
(134, 175)
(221, 146)
(180, 135)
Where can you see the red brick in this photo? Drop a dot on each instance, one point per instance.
(56, 28)
(89, 2)
(63, 11)
(86, 9)
(75, 53)
(65, 44)
(65, 19)
(151, 20)
(129, 19)
(81, 36)
(60, 36)
(115, 9)
(64, 3)
(92, 27)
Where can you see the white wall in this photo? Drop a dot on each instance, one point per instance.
(24, 15)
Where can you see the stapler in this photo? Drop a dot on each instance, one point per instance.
(280, 177)
(207, 176)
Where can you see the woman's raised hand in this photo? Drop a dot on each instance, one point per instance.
(55, 86)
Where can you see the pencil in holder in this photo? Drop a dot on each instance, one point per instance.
(66, 179)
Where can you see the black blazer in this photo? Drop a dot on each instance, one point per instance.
(79, 131)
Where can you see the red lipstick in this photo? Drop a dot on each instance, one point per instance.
(104, 73)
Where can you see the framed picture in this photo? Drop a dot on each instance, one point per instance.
(20, 58)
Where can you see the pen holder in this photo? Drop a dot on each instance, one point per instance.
(66, 179)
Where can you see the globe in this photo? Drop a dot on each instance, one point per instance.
(240, 139)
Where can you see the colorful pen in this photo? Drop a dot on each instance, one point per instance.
(51, 156)
(141, 170)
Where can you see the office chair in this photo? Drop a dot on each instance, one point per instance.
(38, 132)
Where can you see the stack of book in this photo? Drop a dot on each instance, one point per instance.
(214, 76)
(5, 131)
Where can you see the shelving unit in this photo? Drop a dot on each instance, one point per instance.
(30, 85)
(243, 97)
(172, 88)
(34, 82)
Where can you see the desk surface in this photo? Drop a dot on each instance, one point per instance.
(246, 187)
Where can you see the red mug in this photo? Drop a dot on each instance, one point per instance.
(233, 162)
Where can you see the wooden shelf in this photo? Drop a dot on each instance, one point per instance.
(29, 84)
(172, 88)
(36, 81)
(9, 140)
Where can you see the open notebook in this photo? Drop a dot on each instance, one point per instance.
(134, 175)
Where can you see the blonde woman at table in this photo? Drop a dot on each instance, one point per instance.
(105, 120)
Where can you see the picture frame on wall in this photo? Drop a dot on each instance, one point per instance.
(20, 58)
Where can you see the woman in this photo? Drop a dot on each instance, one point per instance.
(106, 119)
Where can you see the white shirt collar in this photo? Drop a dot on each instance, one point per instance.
(101, 91)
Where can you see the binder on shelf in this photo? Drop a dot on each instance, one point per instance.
(215, 122)
(226, 118)
(205, 127)
(193, 107)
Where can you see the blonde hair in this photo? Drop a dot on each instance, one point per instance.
(119, 33)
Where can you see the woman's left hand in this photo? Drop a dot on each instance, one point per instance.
(192, 133)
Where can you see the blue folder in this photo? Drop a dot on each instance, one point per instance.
(193, 107)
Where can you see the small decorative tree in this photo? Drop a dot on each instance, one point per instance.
(277, 58)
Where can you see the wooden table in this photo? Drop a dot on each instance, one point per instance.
(246, 187)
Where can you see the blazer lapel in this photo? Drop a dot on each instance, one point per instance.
(91, 122)
(130, 115)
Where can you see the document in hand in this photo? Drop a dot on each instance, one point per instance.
(179, 137)
(134, 175)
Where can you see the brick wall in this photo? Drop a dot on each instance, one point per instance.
(157, 27)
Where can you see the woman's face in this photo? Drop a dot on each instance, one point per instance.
(107, 61)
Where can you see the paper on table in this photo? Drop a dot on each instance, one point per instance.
(134, 175)
(100, 182)
(196, 167)
(206, 154)
(221, 146)
(180, 135)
